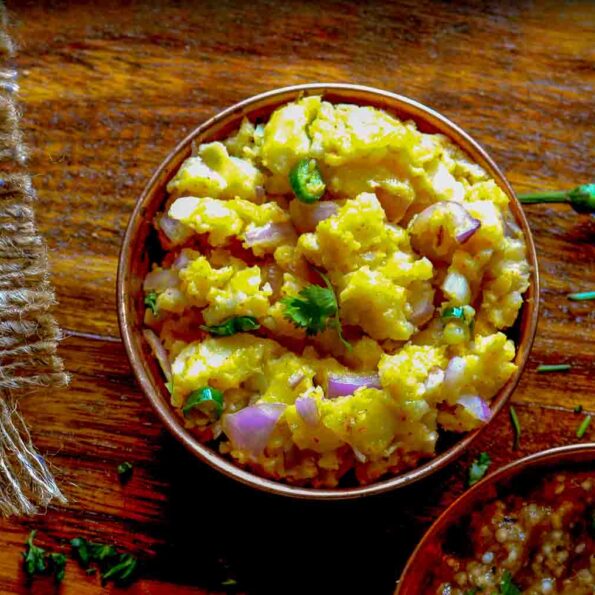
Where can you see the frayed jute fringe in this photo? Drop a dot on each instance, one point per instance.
(28, 333)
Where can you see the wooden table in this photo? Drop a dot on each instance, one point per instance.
(107, 90)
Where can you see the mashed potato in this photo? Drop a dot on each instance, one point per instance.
(334, 292)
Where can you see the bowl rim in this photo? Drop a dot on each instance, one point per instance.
(349, 93)
(559, 455)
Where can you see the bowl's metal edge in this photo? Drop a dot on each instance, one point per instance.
(132, 342)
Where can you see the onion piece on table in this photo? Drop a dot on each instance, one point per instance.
(340, 385)
(269, 235)
(159, 352)
(308, 410)
(249, 429)
(476, 407)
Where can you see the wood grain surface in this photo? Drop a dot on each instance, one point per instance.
(107, 89)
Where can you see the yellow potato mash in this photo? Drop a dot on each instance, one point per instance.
(333, 293)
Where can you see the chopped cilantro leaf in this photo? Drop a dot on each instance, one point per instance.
(34, 557)
(101, 552)
(122, 571)
(315, 309)
(151, 302)
(116, 567)
(478, 468)
(57, 563)
(124, 471)
(37, 561)
(87, 551)
(311, 308)
(80, 547)
(507, 587)
(237, 324)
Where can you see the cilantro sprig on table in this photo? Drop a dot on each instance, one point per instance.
(315, 309)
(37, 561)
(113, 566)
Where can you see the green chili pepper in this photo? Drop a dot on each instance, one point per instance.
(306, 181)
(581, 297)
(453, 313)
(206, 399)
(581, 198)
(458, 323)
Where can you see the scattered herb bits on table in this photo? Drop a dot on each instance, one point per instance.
(333, 292)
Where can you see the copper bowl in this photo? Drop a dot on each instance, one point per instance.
(136, 249)
(417, 571)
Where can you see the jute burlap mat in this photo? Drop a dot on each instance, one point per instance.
(28, 333)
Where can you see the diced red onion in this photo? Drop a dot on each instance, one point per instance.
(359, 455)
(312, 215)
(435, 378)
(273, 275)
(422, 308)
(175, 231)
(340, 385)
(455, 371)
(465, 224)
(250, 428)
(295, 379)
(456, 287)
(465, 232)
(511, 228)
(271, 234)
(161, 279)
(308, 410)
(476, 407)
(159, 352)
(182, 260)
